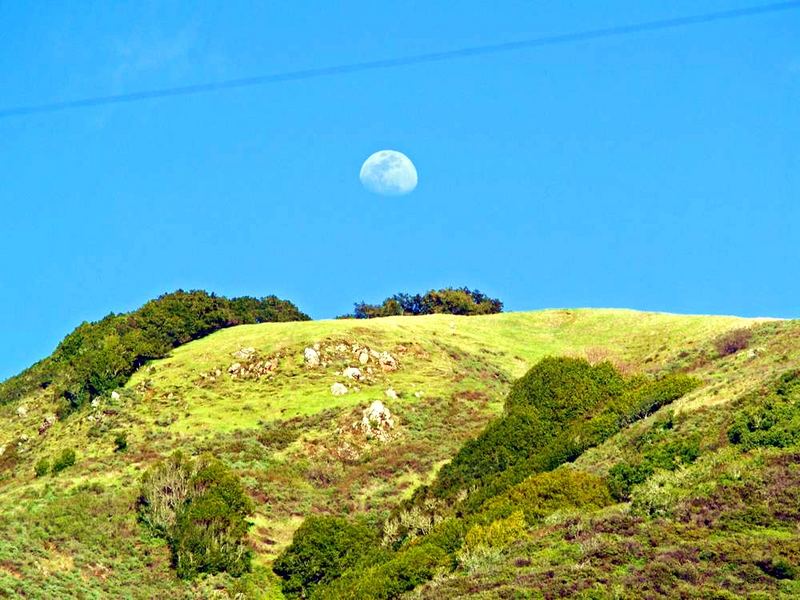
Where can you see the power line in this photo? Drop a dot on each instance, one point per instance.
(390, 63)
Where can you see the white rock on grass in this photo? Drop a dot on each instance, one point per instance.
(390, 393)
(22, 410)
(115, 395)
(311, 357)
(338, 389)
(352, 373)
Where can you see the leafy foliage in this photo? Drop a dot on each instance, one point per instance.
(454, 301)
(63, 461)
(321, 550)
(201, 508)
(771, 419)
(101, 356)
(502, 480)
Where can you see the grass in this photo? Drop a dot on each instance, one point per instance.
(74, 534)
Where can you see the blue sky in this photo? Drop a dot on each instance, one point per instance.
(656, 171)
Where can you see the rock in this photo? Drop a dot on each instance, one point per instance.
(387, 361)
(363, 357)
(390, 393)
(115, 395)
(377, 421)
(234, 368)
(244, 353)
(341, 348)
(338, 389)
(47, 423)
(418, 394)
(311, 357)
(353, 373)
(95, 402)
(22, 410)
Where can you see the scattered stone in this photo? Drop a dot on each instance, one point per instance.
(115, 395)
(363, 357)
(22, 410)
(95, 402)
(244, 353)
(311, 357)
(377, 421)
(338, 389)
(353, 373)
(47, 423)
(390, 393)
(234, 368)
(418, 394)
(387, 361)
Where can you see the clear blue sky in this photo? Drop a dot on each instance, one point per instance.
(656, 171)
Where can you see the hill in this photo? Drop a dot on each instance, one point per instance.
(248, 395)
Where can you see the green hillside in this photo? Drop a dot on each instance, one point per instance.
(247, 395)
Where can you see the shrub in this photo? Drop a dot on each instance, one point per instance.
(453, 301)
(497, 534)
(545, 493)
(771, 418)
(201, 509)
(733, 341)
(321, 550)
(120, 442)
(42, 467)
(64, 460)
(163, 492)
(211, 526)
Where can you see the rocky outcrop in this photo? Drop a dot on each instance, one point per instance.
(377, 422)
(311, 357)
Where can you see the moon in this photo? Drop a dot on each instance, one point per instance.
(389, 173)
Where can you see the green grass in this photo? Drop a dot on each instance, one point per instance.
(461, 367)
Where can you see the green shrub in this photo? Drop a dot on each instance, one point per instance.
(321, 550)
(42, 467)
(211, 526)
(559, 409)
(404, 571)
(771, 418)
(453, 301)
(63, 461)
(120, 442)
(545, 493)
(201, 508)
(498, 533)
(623, 476)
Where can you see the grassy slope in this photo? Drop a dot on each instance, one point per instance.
(74, 535)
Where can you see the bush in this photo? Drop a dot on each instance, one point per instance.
(64, 460)
(545, 493)
(42, 467)
(120, 442)
(733, 341)
(321, 550)
(211, 526)
(453, 301)
(101, 356)
(560, 408)
(771, 419)
(201, 509)
(497, 534)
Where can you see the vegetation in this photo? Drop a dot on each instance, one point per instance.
(453, 301)
(714, 517)
(63, 461)
(201, 508)
(99, 357)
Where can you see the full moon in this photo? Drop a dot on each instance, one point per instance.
(389, 173)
